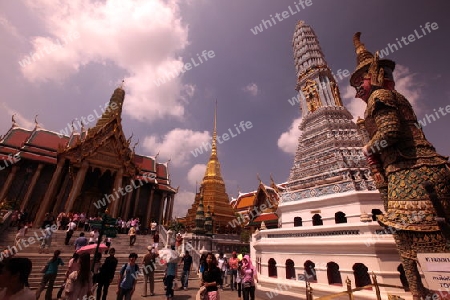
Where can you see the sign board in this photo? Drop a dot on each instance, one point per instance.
(434, 262)
(436, 268)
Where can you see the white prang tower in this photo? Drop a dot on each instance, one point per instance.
(327, 229)
(329, 148)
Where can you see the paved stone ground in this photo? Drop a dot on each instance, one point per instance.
(226, 294)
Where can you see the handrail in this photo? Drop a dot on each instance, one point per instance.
(350, 291)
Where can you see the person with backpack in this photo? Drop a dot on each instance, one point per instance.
(127, 278)
(50, 271)
(106, 274)
(149, 270)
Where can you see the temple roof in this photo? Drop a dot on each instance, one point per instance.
(43, 145)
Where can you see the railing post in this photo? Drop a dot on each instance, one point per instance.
(309, 291)
(349, 289)
(377, 288)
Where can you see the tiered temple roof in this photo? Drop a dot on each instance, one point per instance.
(87, 170)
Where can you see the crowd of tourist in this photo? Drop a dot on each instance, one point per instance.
(82, 283)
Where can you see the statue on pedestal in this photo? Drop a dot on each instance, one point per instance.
(402, 162)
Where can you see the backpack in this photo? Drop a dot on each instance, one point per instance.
(124, 267)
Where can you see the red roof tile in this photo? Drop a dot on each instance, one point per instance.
(144, 163)
(16, 137)
(266, 217)
(47, 140)
(161, 170)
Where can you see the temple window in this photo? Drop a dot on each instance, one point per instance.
(310, 271)
(340, 217)
(375, 213)
(317, 220)
(298, 222)
(272, 268)
(333, 274)
(290, 269)
(362, 278)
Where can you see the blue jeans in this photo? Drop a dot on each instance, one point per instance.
(185, 279)
(169, 284)
(123, 293)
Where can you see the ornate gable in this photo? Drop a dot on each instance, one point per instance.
(105, 148)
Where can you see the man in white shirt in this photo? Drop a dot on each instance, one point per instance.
(70, 231)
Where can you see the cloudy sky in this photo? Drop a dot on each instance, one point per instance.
(62, 60)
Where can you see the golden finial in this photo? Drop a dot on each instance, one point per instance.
(156, 156)
(122, 84)
(259, 178)
(35, 121)
(135, 144)
(13, 119)
(214, 141)
(129, 139)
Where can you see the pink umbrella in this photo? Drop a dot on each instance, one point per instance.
(91, 248)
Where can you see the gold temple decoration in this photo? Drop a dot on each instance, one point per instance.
(212, 191)
(311, 93)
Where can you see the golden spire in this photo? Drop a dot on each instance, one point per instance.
(113, 109)
(214, 141)
(213, 166)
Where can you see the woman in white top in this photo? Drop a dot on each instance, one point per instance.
(14, 275)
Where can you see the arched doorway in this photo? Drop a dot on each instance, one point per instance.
(298, 222)
(310, 271)
(361, 273)
(272, 268)
(333, 274)
(290, 269)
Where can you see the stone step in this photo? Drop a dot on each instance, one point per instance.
(120, 243)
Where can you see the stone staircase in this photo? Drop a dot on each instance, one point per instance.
(120, 243)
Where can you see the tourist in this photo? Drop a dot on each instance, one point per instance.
(21, 234)
(127, 278)
(46, 240)
(223, 266)
(50, 271)
(187, 264)
(106, 275)
(233, 267)
(14, 279)
(132, 234)
(211, 277)
(80, 242)
(108, 242)
(93, 237)
(70, 230)
(96, 261)
(248, 273)
(171, 275)
(79, 283)
(201, 265)
(156, 240)
(149, 270)
(179, 243)
(153, 225)
(239, 278)
(73, 265)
